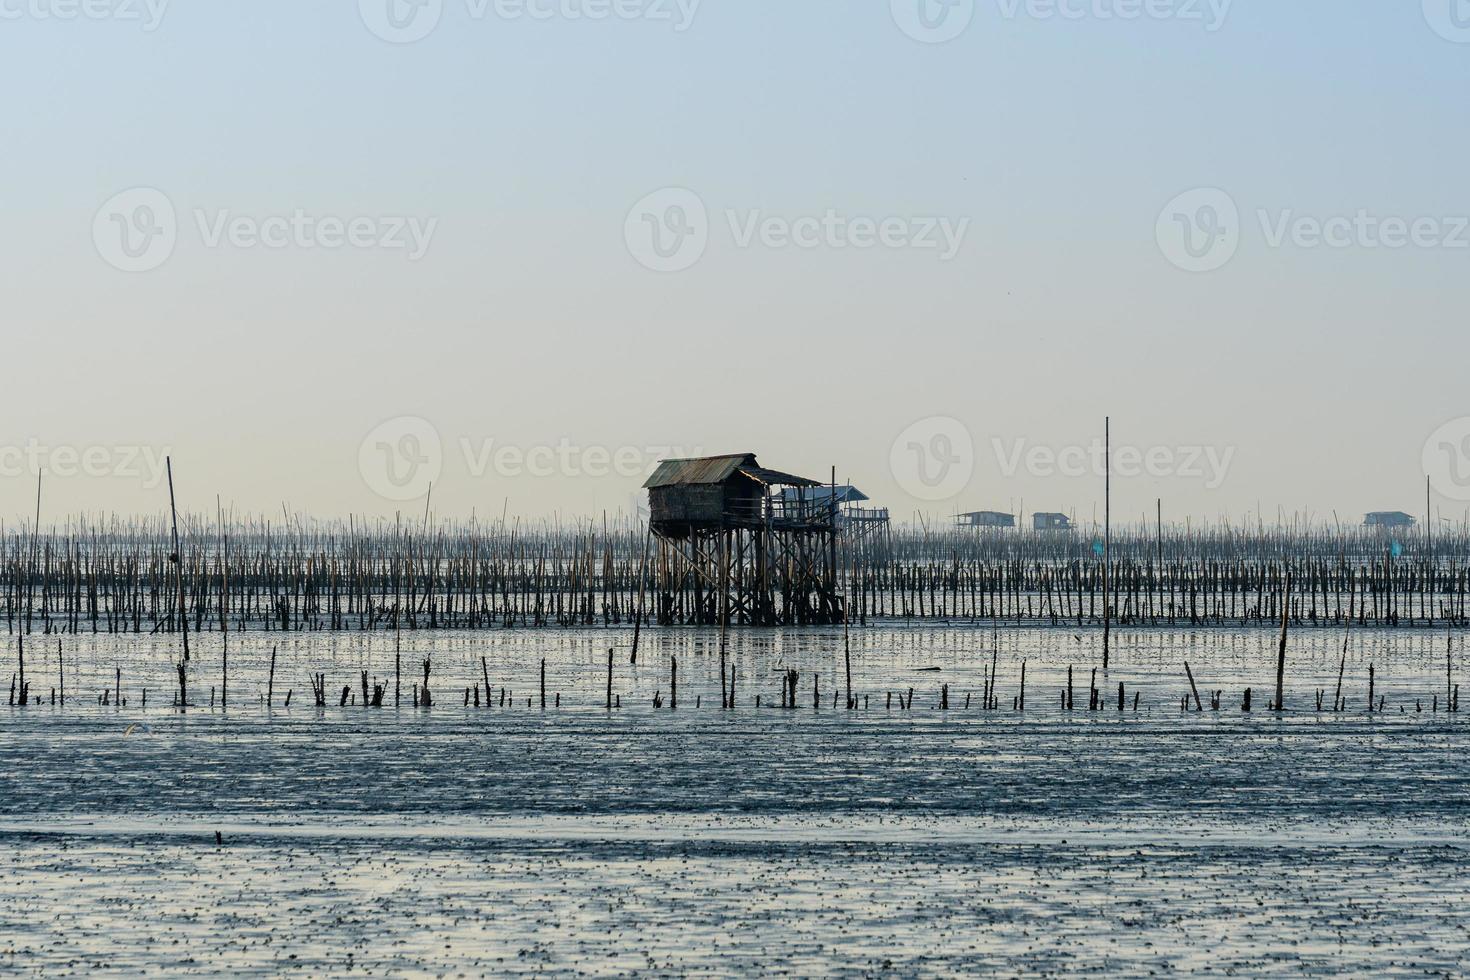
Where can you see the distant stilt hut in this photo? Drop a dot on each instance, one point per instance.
(985, 518)
(735, 548)
(1042, 521)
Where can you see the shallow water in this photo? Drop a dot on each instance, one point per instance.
(456, 840)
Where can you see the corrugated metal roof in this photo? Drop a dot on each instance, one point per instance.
(705, 469)
(718, 469)
(777, 478)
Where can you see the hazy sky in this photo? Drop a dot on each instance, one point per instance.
(815, 230)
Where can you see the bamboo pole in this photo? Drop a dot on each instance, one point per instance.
(1281, 647)
(1107, 535)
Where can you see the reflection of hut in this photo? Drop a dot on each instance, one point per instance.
(985, 518)
(742, 543)
(1388, 519)
(1051, 522)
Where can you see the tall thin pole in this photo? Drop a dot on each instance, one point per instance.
(1428, 524)
(638, 615)
(1281, 648)
(846, 631)
(832, 537)
(178, 555)
(397, 617)
(35, 552)
(1107, 533)
(724, 556)
(1159, 527)
(224, 606)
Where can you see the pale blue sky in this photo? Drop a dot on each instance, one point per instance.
(529, 321)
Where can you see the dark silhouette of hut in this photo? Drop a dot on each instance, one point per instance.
(742, 543)
(686, 495)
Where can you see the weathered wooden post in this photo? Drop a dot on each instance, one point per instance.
(1281, 648)
(638, 616)
(178, 560)
(1107, 534)
(847, 657)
